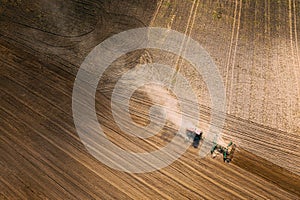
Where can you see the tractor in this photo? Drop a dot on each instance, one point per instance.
(227, 151)
(194, 134)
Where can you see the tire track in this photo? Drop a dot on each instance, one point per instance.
(156, 12)
(186, 178)
(234, 54)
(185, 42)
(190, 168)
(291, 31)
(230, 47)
(296, 35)
(178, 180)
(63, 147)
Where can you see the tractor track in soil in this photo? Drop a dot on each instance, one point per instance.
(42, 157)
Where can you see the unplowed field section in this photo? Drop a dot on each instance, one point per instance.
(255, 45)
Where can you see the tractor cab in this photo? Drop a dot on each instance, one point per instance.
(195, 135)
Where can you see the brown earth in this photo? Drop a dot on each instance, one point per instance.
(255, 46)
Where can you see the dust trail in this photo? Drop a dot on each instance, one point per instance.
(169, 103)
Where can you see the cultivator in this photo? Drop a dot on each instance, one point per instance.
(226, 151)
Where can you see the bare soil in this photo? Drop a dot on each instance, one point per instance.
(255, 45)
